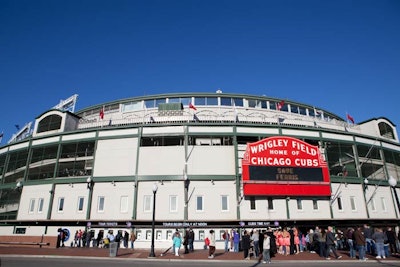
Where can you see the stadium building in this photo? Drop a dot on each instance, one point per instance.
(199, 160)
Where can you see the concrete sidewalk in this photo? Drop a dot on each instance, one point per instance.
(144, 254)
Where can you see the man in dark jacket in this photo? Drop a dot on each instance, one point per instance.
(330, 244)
(359, 239)
(391, 239)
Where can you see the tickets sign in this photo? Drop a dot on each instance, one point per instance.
(284, 166)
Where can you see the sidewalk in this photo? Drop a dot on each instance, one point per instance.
(144, 254)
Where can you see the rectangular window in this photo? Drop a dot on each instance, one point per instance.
(383, 202)
(32, 205)
(173, 203)
(123, 207)
(61, 204)
(100, 206)
(270, 203)
(372, 203)
(315, 204)
(199, 203)
(353, 203)
(339, 203)
(224, 203)
(147, 203)
(252, 203)
(299, 204)
(40, 205)
(81, 201)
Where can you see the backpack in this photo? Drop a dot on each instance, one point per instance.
(207, 241)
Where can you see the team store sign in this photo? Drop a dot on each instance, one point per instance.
(284, 166)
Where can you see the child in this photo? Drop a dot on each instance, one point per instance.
(177, 241)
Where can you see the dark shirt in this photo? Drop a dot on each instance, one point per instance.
(245, 241)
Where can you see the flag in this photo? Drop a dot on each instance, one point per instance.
(1, 137)
(192, 106)
(280, 105)
(195, 118)
(17, 126)
(350, 118)
(101, 113)
(235, 111)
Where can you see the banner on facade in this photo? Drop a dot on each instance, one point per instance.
(284, 166)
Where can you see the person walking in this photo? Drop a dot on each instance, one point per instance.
(211, 247)
(330, 244)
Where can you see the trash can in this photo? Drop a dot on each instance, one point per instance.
(113, 249)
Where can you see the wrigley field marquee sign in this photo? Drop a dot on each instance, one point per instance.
(284, 166)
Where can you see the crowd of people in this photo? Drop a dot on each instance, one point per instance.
(83, 238)
(358, 242)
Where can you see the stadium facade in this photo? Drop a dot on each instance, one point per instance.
(218, 161)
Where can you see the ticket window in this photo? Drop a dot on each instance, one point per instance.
(148, 234)
(158, 235)
(169, 235)
(221, 234)
(201, 235)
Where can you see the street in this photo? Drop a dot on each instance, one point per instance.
(50, 261)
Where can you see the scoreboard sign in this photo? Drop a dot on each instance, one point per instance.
(284, 166)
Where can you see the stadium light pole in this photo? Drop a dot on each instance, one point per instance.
(392, 183)
(152, 254)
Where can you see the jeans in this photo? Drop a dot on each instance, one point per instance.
(256, 248)
(226, 245)
(190, 244)
(380, 250)
(266, 255)
(351, 248)
(236, 247)
(361, 251)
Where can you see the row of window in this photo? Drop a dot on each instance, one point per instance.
(223, 101)
(173, 204)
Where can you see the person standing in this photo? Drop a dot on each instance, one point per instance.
(186, 241)
(132, 239)
(379, 237)
(126, 239)
(191, 239)
(227, 237)
(236, 240)
(350, 242)
(359, 239)
(266, 248)
(255, 237)
(330, 244)
(391, 239)
(246, 244)
(211, 247)
(177, 241)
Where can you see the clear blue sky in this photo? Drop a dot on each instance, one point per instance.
(340, 55)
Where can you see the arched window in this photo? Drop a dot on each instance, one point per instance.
(386, 130)
(49, 123)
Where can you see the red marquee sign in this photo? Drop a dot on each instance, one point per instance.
(284, 166)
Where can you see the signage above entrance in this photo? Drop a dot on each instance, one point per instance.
(284, 166)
